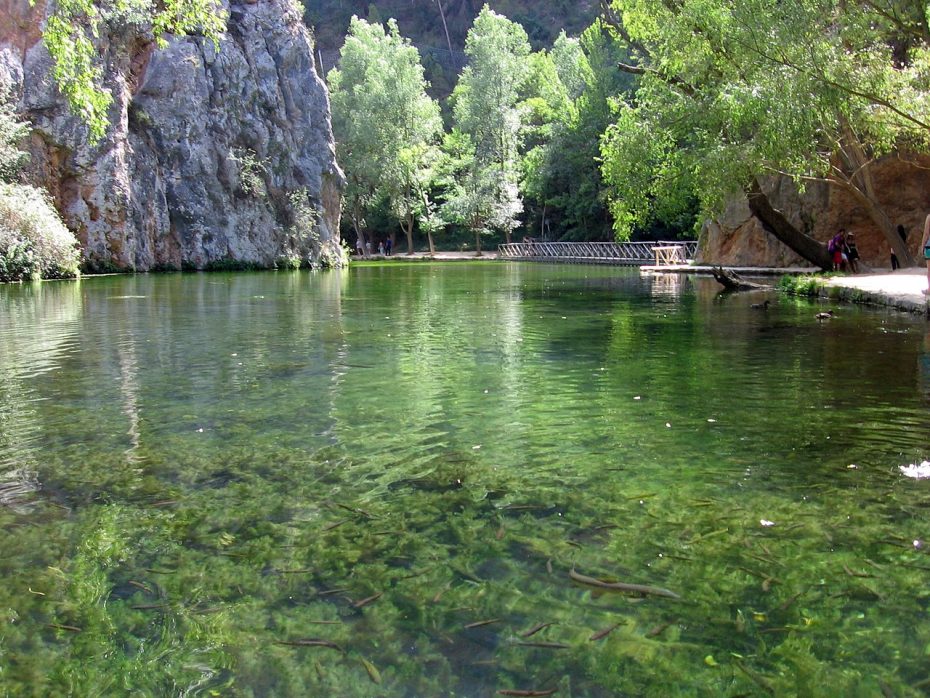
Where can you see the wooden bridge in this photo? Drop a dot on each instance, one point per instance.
(662, 253)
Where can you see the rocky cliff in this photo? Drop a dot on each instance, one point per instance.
(738, 239)
(213, 155)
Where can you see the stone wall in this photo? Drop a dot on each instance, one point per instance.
(207, 148)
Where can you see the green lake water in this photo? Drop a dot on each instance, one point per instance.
(378, 482)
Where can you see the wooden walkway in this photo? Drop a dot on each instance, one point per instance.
(677, 252)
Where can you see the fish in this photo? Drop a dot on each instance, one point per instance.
(535, 629)
(368, 600)
(372, 670)
(479, 623)
(622, 587)
(658, 630)
(545, 645)
(604, 633)
(310, 642)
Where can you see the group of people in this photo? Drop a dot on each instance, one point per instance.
(845, 255)
(842, 247)
(363, 249)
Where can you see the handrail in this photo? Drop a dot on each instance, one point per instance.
(631, 253)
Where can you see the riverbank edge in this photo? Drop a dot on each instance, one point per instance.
(899, 290)
(850, 290)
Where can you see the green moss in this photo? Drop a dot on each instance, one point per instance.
(228, 264)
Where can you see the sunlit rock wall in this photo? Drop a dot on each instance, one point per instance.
(207, 148)
(736, 238)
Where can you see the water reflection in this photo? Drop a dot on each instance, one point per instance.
(233, 462)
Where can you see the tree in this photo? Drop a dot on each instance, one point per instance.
(562, 177)
(387, 128)
(730, 92)
(488, 115)
(73, 26)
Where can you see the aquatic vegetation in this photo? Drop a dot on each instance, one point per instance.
(309, 511)
(802, 285)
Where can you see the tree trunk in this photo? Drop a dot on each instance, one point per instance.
(408, 230)
(432, 248)
(477, 243)
(775, 223)
(445, 28)
(861, 185)
(731, 281)
(359, 230)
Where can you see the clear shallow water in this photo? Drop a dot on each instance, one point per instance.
(198, 470)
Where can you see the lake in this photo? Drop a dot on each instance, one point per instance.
(421, 479)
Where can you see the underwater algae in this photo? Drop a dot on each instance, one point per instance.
(316, 510)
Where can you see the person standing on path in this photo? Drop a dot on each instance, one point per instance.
(852, 253)
(894, 258)
(925, 245)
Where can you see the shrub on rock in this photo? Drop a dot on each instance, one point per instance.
(34, 243)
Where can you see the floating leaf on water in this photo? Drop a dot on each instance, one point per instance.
(710, 661)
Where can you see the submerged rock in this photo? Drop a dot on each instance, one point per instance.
(212, 156)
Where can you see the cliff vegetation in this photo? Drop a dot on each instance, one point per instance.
(34, 243)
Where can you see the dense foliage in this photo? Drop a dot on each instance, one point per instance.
(73, 25)
(815, 89)
(34, 243)
(387, 128)
(563, 183)
(439, 28)
(487, 114)
(522, 144)
(662, 112)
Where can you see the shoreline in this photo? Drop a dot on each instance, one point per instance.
(901, 289)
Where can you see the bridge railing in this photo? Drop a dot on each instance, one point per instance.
(632, 253)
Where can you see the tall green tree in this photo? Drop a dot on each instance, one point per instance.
(387, 128)
(731, 92)
(562, 178)
(73, 26)
(487, 113)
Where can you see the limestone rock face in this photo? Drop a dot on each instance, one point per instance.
(903, 189)
(211, 152)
